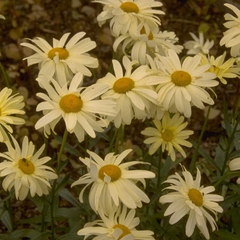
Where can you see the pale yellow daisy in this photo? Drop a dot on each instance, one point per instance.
(234, 165)
(190, 198)
(62, 60)
(198, 45)
(181, 85)
(147, 41)
(126, 15)
(169, 134)
(120, 224)
(24, 170)
(231, 38)
(129, 90)
(77, 106)
(113, 182)
(10, 107)
(222, 69)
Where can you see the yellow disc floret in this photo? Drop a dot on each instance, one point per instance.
(71, 103)
(123, 85)
(110, 170)
(125, 230)
(196, 197)
(167, 135)
(26, 166)
(62, 53)
(130, 7)
(181, 78)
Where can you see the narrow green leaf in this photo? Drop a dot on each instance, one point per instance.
(7, 220)
(69, 197)
(225, 234)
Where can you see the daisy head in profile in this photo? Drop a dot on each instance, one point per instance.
(169, 135)
(232, 35)
(10, 107)
(188, 197)
(127, 87)
(198, 45)
(182, 85)
(62, 59)
(147, 42)
(24, 170)
(120, 224)
(234, 165)
(112, 182)
(126, 15)
(78, 106)
(223, 69)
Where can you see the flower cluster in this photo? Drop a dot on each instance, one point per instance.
(150, 81)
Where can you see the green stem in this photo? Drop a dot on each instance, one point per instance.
(5, 76)
(159, 169)
(64, 139)
(119, 137)
(113, 139)
(195, 155)
(223, 177)
(229, 145)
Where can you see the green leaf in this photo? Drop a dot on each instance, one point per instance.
(227, 123)
(225, 234)
(69, 197)
(235, 219)
(6, 220)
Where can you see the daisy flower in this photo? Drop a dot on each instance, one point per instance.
(2, 17)
(168, 134)
(222, 69)
(198, 45)
(62, 60)
(112, 182)
(126, 15)
(129, 90)
(10, 105)
(147, 41)
(181, 85)
(120, 224)
(231, 38)
(190, 198)
(75, 105)
(235, 165)
(25, 170)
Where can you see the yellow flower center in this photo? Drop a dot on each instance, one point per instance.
(62, 53)
(26, 166)
(143, 31)
(129, 7)
(123, 85)
(111, 170)
(167, 135)
(125, 230)
(196, 197)
(71, 103)
(181, 78)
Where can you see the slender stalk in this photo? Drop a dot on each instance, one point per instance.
(195, 155)
(5, 76)
(64, 139)
(119, 137)
(159, 169)
(229, 145)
